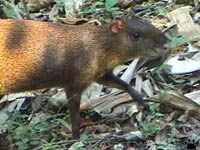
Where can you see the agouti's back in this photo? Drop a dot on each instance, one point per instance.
(37, 55)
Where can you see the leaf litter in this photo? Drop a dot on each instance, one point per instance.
(110, 118)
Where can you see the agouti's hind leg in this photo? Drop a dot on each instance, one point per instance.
(74, 110)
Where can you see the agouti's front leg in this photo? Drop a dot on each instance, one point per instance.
(74, 111)
(111, 80)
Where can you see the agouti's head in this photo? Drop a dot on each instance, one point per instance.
(139, 38)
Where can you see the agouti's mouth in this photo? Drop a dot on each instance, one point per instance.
(158, 57)
(152, 63)
(162, 52)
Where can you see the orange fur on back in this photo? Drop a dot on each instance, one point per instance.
(37, 55)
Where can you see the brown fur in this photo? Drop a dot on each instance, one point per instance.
(35, 55)
(39, 55)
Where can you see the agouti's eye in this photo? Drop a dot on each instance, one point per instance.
(136, 36)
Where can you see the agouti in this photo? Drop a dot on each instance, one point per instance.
(35, 55)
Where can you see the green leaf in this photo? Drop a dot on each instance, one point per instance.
(111, 3)
(179, 40)
(41, 127)
(113, 9)
(35, 142)
(97, 4)
(179, 81)
(159, 115)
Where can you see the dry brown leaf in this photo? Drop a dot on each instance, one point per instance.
(36, 5)
(176, 100)
(74, 21)
(185, 23)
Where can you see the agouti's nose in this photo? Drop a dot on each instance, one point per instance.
(166, 46)
(166, 49)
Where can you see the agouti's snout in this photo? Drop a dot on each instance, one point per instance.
(164, 50)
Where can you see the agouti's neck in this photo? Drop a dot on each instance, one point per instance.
(110, 48)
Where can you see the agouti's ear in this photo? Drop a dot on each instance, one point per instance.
(116, 25)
